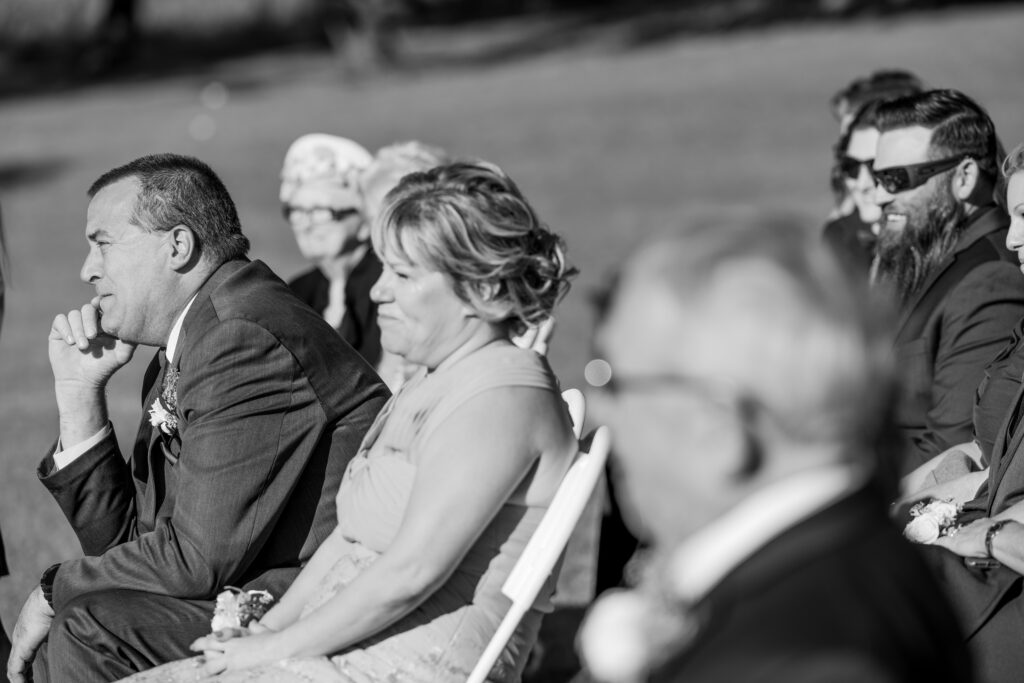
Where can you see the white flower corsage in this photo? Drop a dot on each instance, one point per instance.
(164, 411)
(237, 608)
(932, 521)
(628, 633)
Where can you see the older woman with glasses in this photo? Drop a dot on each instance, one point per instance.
(321, 200)
(456, 473)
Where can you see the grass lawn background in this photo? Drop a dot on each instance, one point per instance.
(610, 144)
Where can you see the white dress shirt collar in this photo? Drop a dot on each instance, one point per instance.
(172, 340)
(706, 557)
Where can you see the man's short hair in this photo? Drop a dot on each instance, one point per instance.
(959, 125)
(181, 190)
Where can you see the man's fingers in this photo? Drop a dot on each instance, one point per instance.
(61, 329)
(90, 320)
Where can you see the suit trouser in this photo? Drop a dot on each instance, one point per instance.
(107, 635)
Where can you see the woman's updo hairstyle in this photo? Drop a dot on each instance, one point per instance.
(1014, 162)
(470, 222)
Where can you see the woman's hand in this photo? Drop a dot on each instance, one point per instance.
(232, 649)
(969, 540)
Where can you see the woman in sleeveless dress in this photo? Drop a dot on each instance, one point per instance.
(454, 475)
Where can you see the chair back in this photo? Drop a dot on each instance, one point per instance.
(547, 543)
(577, 409)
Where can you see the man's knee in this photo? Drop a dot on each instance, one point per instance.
(82, 616)
(115, 633)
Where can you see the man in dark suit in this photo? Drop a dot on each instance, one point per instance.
(941, 252)
(747, 389)
(255, 407)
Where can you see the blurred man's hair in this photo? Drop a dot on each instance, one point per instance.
(959, 125)
(180, 190)
(814, 348)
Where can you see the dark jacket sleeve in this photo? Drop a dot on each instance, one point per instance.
(977, 322)
(247, 416)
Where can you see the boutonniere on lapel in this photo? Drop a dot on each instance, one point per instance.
(163, 414)
(630, 633)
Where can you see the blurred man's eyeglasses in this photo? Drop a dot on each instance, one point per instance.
(312, 215)
(599, 375)
(850, 167)
(902, 178)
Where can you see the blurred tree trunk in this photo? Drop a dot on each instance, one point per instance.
(115, 38)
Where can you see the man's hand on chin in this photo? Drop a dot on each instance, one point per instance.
(29, 633)
(83, 359)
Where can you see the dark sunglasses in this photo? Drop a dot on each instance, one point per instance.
(317, 214)
(850, 167)
(902, 178)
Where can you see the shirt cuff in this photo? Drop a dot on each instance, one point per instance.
(63, 458)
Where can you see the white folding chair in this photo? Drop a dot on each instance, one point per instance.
(577, 409)
(546, 545)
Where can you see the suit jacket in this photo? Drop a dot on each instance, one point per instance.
(271, 406)
(359, 324)
(958, 321)
(840, 596)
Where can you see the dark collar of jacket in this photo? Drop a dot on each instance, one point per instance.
(975, 244)
(216, 279)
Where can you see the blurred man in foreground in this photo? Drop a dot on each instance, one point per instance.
(940, 253)
(747, 390)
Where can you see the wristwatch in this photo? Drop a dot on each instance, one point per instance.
(990, 535)
(46, 583)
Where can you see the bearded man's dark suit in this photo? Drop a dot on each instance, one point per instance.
(956, 323)
(838, 597)
(989, 602)
(271, 406)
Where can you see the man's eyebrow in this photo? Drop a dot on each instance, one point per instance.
(94, 234)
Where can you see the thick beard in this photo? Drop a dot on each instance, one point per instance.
(905, 259)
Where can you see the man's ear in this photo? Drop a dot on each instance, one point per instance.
(966, 179)
(184, 247)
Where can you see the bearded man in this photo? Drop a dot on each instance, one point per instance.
(940, 253)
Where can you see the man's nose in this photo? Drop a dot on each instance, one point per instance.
(90, 268)
(882, 196)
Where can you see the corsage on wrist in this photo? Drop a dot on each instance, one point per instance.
(237, 608)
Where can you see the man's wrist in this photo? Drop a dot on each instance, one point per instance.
(82, 409)
(46, 583)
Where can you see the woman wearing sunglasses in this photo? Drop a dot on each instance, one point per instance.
(852, 235)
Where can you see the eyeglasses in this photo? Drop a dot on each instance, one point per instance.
(902, 178)
(599, 375)
(313, 215)
(850, 167)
